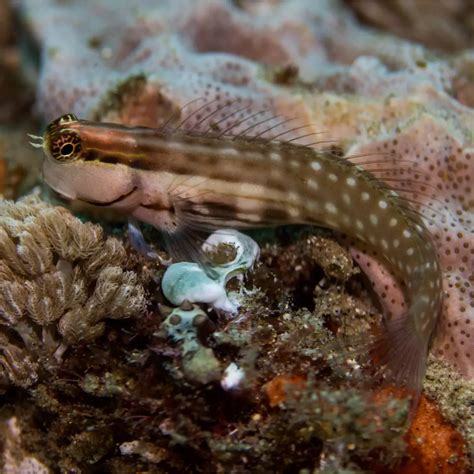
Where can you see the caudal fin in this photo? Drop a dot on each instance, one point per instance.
(398, 356)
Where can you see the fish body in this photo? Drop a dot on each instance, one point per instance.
(179, 181)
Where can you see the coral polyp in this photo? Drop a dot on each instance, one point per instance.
(61, 279)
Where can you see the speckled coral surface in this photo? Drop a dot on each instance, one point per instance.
(371, 92)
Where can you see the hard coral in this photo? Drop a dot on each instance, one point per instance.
(60, 279)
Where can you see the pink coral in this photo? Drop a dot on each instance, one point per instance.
(370, 91)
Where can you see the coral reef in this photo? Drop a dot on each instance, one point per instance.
(373, 93)
(453, 396)
(16, 97)
(99, 374)
(60, 279)
(185, 387)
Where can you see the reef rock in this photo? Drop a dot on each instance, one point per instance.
(371, 92)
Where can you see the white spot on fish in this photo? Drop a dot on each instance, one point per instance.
(396, 243)
(373, 218)
(365, 196)
(293, 196)
(316, 165)
(275, 156)
(410, 251)
(330, 207)
(332, 177)
(229, 151)
(393, 222)
(351, 181)
(383, 204)
(346, 198)
(406, 233)
(253, 155)
(313, 184)
(359, 224)
(249, 217)
(174, 145)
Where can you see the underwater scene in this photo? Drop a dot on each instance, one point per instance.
(237, 236)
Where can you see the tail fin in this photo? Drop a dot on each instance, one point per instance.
(399, 355)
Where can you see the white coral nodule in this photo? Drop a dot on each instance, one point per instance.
(186, 281)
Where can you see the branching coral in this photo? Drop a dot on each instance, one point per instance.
(60, 278)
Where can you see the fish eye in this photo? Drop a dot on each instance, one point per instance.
(67, 149)
(66, 146)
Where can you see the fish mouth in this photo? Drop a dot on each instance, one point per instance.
(110, 203)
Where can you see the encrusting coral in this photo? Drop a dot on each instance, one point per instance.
(60, 278)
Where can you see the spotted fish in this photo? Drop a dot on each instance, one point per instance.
(182, 182)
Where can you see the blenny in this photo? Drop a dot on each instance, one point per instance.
(185, 181)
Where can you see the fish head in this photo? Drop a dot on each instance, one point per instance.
(70, 167)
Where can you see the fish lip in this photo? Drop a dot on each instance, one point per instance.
(114, 201)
